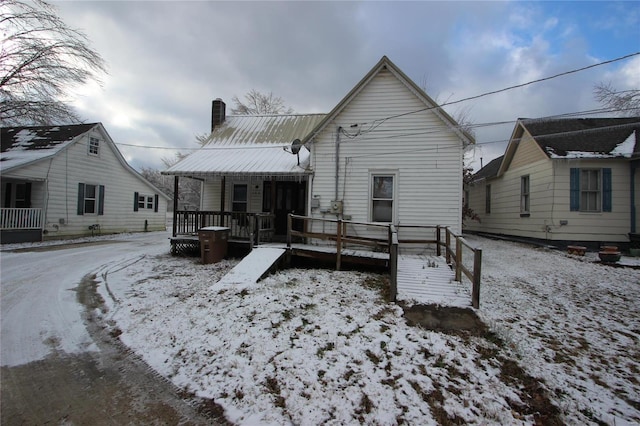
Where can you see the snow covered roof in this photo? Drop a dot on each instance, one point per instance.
(251, 145)
(23, 145)
(586, 137)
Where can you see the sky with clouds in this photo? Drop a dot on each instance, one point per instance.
(168, 60)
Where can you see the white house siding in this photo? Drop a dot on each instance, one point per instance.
(211, 193)
(549, 189)
(419, 148)
(63, 173)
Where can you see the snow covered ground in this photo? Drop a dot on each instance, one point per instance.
(322, 347)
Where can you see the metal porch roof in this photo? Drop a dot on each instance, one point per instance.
(251, 145)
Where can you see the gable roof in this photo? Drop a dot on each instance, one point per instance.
(23, 145)
(586, 137)
(385, 63)
(490, 170)
(251, 144)
(578, 138)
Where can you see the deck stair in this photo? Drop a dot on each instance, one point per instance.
(429, 280)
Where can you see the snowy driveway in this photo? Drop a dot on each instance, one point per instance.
(57, 364)
(39, 307)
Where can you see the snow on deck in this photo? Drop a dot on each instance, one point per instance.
(345, 252)
(252, 267)
(429, 280)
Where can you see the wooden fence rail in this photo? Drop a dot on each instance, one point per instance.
(455, 258)
(389, 239)
(253, 227)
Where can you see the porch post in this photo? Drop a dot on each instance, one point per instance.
(176, 179)
(222, 198)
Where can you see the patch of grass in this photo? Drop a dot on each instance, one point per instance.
(379, 283)
(535, 398)
(328, 347)
(388, 309)
(347, 374)
(273, 387)
(366, 406)
(372, 357)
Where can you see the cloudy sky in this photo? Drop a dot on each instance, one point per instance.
(168, 60)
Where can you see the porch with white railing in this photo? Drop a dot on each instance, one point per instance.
(20, 219)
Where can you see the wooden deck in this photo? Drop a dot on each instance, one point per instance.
(423, 279)
(429, 280)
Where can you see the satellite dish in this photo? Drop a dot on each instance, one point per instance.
(295, 146)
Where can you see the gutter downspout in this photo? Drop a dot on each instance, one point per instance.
(337, 161)
(632, 174)
(176, 180)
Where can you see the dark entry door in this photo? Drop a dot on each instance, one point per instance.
(288, 197)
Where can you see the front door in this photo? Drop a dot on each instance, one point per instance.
(286, 197)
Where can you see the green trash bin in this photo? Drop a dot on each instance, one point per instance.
(213, 243)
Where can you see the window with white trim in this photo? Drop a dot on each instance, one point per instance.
(94, 146)
(90, 199)
(145, 201)
(382, 197)
(590, 190)
(240, 198)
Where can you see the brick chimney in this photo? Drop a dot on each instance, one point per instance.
(217, 113)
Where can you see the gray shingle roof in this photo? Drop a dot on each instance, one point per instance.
(599, 137)
(490, 170)
(39, 137)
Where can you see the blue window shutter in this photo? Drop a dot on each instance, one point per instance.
(135, 201)
(574, 190)
(155, 203)
(101, 201)
(81, 199)
(606, 190)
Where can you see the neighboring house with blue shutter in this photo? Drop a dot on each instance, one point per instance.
(68, 181)
(565, 180)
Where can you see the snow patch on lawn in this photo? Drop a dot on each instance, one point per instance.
(321, 346)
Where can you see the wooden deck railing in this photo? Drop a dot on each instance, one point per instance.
(252, 227)
(455, 256)
(19, 218)
(343, 232)
(457, 249)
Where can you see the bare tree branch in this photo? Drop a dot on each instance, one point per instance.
(625, 103)
(41, 58)
(257, 103)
